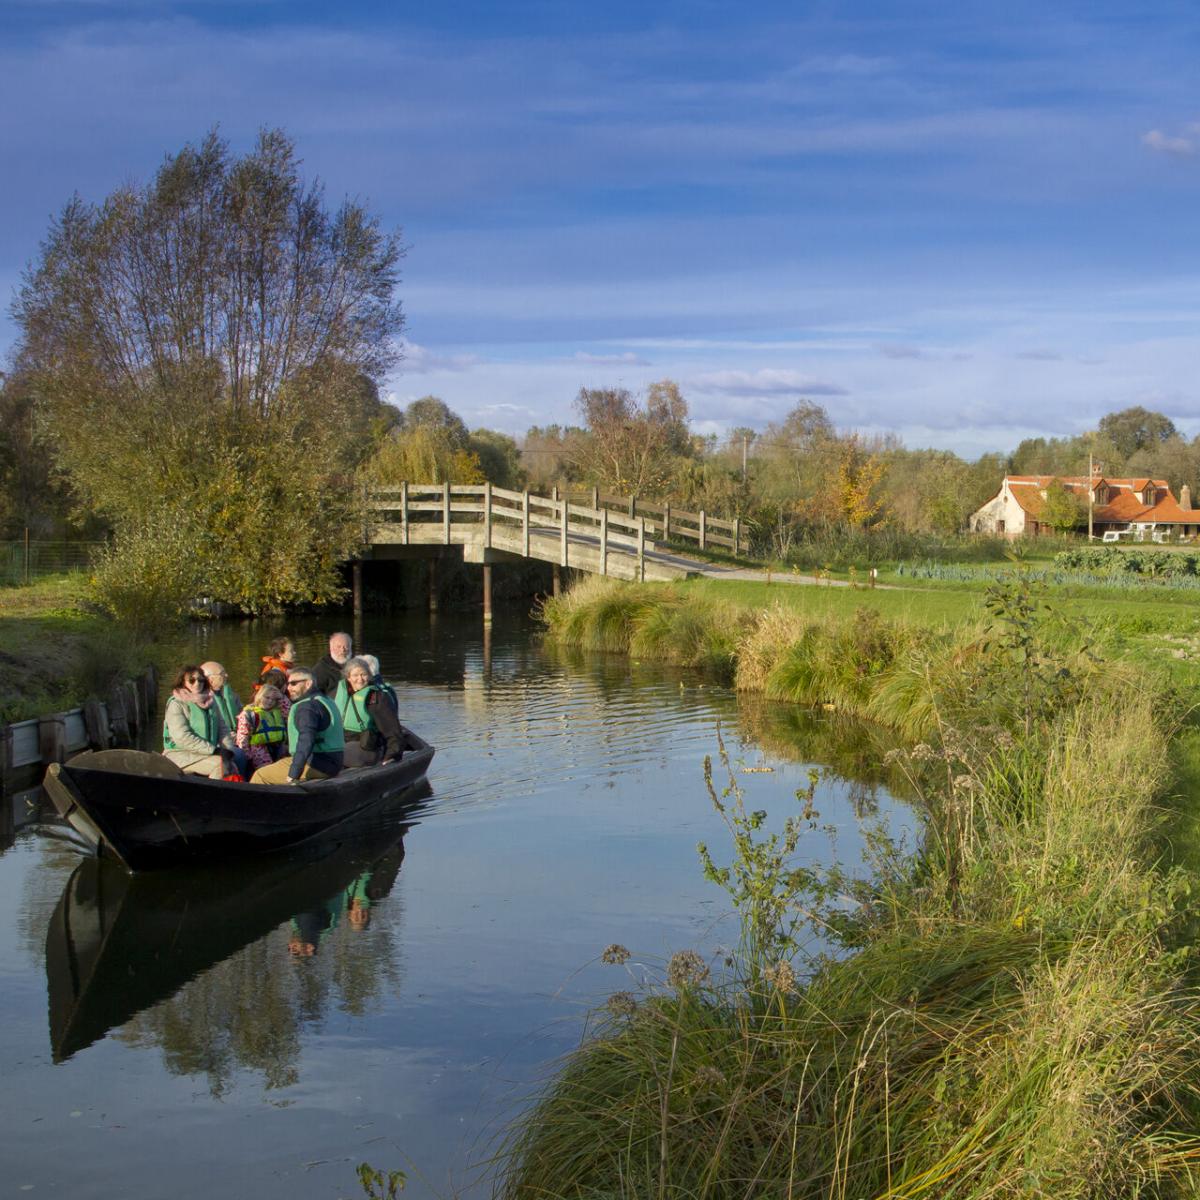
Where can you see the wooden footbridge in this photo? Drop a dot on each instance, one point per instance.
(615, 536)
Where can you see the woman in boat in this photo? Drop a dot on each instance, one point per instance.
(262, 727)
(194, 733)
(372, 730)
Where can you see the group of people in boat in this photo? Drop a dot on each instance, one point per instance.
(299, 723)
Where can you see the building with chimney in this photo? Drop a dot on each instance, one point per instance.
(1123, 509)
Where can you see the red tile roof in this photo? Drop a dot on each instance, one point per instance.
(1126, 505)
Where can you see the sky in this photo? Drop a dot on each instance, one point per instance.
(966, 224)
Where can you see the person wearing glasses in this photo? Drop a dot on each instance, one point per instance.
(194, 732)
(316, 740)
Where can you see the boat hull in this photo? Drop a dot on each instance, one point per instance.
(149, 816)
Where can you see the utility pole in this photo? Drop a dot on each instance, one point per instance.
(1091, 492)
(745, 441)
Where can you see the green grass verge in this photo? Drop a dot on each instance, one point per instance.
(53, 653)
(1010, 1014)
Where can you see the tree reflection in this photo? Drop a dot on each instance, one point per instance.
(224, 972)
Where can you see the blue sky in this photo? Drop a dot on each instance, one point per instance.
(967, 224)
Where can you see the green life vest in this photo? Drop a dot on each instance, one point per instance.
(269, 726)
(226, 700)
(203, 721)
(331, 739)
(353, 707)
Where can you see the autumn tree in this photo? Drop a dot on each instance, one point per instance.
(1062, 509)
(631, 446)
(1134, 429)
(204, 351)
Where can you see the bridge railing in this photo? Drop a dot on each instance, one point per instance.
(621, 520)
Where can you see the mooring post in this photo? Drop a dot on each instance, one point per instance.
(52, 738)
(487, 593)
(95, 722)
(357, 587)
(604, 541)
(556, 586)
(433, 589)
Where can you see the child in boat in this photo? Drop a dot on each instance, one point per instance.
(262, 727)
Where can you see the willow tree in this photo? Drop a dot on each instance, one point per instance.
(205, 349)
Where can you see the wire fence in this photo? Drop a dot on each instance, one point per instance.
(23, 562)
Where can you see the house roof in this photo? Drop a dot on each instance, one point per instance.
(1126, 505)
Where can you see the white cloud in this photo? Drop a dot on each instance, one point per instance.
(768, 381)
(628, 359)
(420, 360)
(1165, 143)
(1039, 355)
(901, 351)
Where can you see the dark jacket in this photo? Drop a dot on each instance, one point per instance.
(386, 724)
(311, 719)
(327, 674)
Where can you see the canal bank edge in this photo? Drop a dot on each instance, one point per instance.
(96, 725)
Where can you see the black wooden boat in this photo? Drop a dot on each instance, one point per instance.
(142, 810)
(118, 943)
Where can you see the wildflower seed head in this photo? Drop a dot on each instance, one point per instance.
(615, 955)
(686, 969)
(708, 1078)
(781, 977)
(621, 1004)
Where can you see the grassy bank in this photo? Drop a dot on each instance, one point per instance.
(53, 653)
(1008, 1015)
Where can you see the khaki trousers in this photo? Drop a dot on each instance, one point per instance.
(277, 772)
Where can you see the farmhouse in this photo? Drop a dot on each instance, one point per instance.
(1138, 509)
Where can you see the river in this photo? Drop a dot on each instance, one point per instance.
(253, 1033)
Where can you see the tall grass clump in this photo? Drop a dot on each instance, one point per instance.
(1001, 1014)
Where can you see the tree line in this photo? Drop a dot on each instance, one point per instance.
(197, 379)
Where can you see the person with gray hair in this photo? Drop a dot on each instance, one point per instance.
(316, 740)
(328, 672)
(373, 733)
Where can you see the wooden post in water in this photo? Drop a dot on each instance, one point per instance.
(95, 721)
(556, 574)
(641, 549)
(604, 541)
(118, 717)
(487, 593)
(703, 531)
(433, 591)
(52, 738)
(525, 523)
(446, 512)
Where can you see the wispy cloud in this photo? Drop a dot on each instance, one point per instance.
(420, 360)
(767, 381)
(1179, 145)
(901, 351)
(1039, 355)
(628, 359)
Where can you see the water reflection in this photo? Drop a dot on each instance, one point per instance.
(222, 968)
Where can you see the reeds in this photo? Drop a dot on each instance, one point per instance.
(1008, 1019)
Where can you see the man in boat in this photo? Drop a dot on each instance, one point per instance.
(316, 741)
(328, 671)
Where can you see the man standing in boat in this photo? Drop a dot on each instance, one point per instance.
(316, 740)
(328, 671)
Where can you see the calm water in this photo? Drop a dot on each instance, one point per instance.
(240, 1033)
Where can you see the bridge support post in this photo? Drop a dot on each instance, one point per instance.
(525, 523)
(556, 587)
(404, 512)
(487, 517)
(487, 593)
(562, 536)
(357, 588)
(446, 512)
(433, 588)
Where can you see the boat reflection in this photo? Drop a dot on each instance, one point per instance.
(220, 967)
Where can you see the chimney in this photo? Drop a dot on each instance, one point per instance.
(1185, 497)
